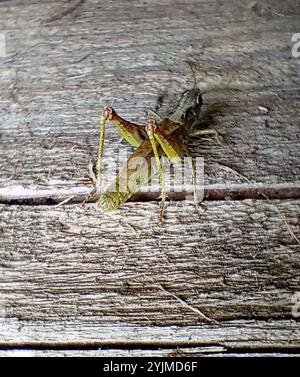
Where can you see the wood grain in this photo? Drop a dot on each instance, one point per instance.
(230, 260)
(178, 352)
(233, 336)
(182, 352)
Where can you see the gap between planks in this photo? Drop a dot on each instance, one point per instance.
(141, 345)
(19, 194)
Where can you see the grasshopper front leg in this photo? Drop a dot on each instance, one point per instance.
(131, 132)
(171, 148)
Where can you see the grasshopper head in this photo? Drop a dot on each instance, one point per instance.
(191, 100)
(188, 107)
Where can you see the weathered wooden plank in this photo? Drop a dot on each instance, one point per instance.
(193, 351)
(74, 71)
(242, 335)
(230, 260)
(179, 352)
(63, 155)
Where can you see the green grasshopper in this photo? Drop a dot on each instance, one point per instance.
(168, 137)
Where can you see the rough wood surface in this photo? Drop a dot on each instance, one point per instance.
(73, 280)
(59, 75)
(178, 352)
(233, 260)
(232, 336)
(187, 352)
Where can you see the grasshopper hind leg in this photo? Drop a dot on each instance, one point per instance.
(133, 133)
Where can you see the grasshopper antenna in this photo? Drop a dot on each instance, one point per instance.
(191, 65)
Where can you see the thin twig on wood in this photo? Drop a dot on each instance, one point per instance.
(195, 310)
